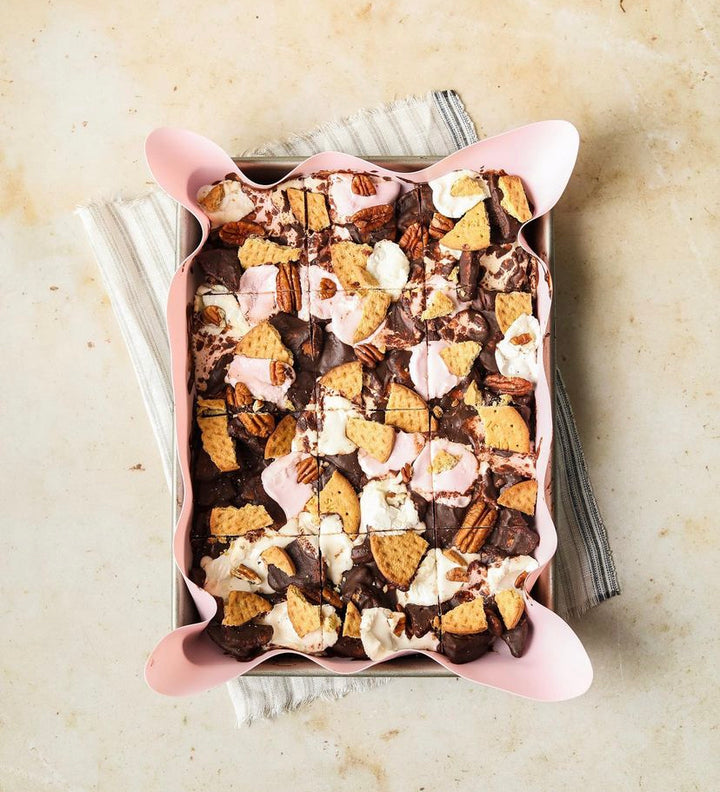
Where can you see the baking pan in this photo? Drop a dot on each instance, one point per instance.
(268, 170)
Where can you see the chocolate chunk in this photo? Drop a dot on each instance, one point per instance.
(407, 329)
(419, 619)
(215, 382)
(242, 642)
(364, 585)
(465, 648)
(466, 325)
(303, 339)
(222, 265)
(348, 465)
(334, 353)
(516, 639)
(512, 534)
(468, 273)
(307, 568)
(345, 646)
(503, 227)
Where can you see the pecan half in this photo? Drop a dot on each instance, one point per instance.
(307, 471)
(326, 289)
(414, 241)
(278, 372)
(237, 231)
(214, 315)
(520, 579)
(287, 283)
(245, 573)
(454, 556)
(239, 396)
(480, 515)
(258, 424)
(440, 225)
(362, 184)
(478, 522)
(514, 386)
(368, 354)
(400, 626)
(372, 217)
(406, 473)
(457, 575)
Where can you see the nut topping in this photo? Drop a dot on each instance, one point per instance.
(457, 575)
(258, 424)
(454, 556)
(239, 396)
(372, 217)
(237, 231)
(513, 386)
(214, 315)
(414, 241)
(369, 355)
(326, 289)
(307, 471)
(245, 573)
(440, 225)
(287, 283)
(362, 184)
(523, 338)
(399, 628)
(406, 473)
(476, 526)
(278, 372)
(520, 579)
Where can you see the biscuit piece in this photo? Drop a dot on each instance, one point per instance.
(439, 304)
(505, 429)
(349, 263)
(232, 521)
(467, 185)
(511, 605)
(317, 214)
(351, 625)
(398, 555)
(520, 496)
(406, 410)
(345, 379)
(514, 200)
(304, 616)
(460, 357)
(443, 461)
(217, 442)
(511, 305)
(263, 341)
(255, 251)
(207, 408)
(279, 558)
(471, 232)
(243, 606)
(375, 306)
(375, 438)
(279, 443)
(466, 619)
(338, 497)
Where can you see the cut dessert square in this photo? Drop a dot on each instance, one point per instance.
(384, 591)
(269, 586)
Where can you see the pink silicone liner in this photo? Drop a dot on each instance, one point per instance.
(555, 665)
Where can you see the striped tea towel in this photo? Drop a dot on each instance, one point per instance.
(134, 243)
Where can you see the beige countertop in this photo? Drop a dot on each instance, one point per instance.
(84, 571)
